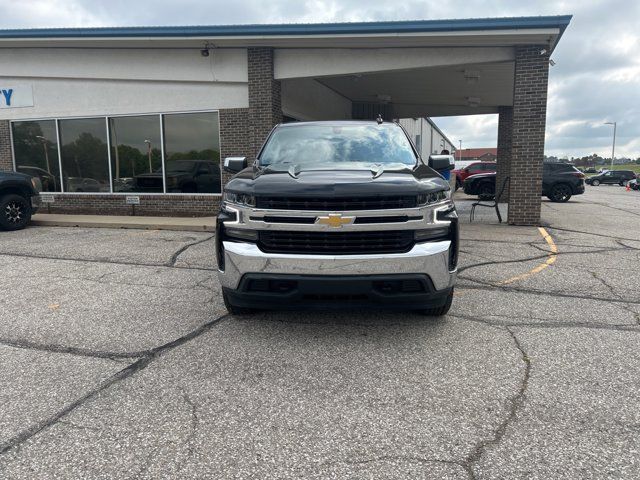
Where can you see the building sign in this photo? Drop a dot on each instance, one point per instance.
(132, 200)
(15, 96)
(47, 198)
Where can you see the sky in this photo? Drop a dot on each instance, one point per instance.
(596, 78)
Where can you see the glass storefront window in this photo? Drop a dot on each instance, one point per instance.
(35, 146)
(133, 144)
(192, 152)
(85, 166)
(136, 154)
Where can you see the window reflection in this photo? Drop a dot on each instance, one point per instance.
(136, 154)
(81, 147)
(192, 152)
(35, 148)
(85, 165)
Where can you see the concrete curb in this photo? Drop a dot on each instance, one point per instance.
(200, 224)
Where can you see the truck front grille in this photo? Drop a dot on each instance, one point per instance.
(337, 203)
(336, 243)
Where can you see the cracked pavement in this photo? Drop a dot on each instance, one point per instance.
(118, 360)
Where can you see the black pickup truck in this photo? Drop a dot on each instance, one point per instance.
(335, 215)
(18, 199)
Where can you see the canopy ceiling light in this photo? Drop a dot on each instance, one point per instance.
(472, 76)
(473, 101)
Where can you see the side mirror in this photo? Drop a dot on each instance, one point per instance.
(441, 162)
(235, 164)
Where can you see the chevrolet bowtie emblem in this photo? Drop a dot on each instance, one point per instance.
(335, 220)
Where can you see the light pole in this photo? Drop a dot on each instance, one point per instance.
(46, 150)
(460, 150)
(148, 142)
(613, 148)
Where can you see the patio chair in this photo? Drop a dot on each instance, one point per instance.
(493, 204)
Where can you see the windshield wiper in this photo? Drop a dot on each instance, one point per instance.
(294, 170)
(377, 170)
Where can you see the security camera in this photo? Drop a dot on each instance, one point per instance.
(551, 62)
(543, 51)
(204, 52)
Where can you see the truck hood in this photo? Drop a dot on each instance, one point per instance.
(15, 176)
(332, 183)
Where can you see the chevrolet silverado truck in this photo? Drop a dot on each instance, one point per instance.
(18, 199)
(334, 215)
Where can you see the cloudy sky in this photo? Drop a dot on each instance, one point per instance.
(596, 77)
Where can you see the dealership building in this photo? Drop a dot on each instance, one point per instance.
(113, 119)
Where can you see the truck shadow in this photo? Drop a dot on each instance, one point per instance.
(344, 317)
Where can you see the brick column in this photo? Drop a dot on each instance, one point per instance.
(505, 121)
(6, 160)
(528, 127)
(235, 137)
(265, 108)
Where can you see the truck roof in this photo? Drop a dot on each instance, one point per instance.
(336, 123)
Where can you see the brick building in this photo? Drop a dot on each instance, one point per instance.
(477, 154)
(110, 116)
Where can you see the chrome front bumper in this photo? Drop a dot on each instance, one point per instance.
(431, 258)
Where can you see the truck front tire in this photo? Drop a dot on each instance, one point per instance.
(15, 212)
(233, 310)
(439, 311)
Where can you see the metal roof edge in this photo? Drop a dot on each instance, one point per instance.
(433, 124)
(407, 26)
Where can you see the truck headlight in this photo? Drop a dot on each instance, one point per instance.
(239, 199)
(433, 197)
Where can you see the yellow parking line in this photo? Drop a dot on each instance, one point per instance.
(553, 254)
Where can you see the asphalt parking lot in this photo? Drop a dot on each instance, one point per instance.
(118, 360)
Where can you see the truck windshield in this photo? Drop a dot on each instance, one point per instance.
(312, 147)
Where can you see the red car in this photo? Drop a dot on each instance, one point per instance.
(473, 169)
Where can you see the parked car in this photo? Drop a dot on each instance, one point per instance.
(183, 176)
(559, 182)
(337, 214)
(590, 170)
(473, 169)
(18, 199)
(612, 177)
(79, 184)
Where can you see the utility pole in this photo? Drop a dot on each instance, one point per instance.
(46, 151)
(460, 150)
(613, 148)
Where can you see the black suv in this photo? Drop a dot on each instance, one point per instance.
(613, 177)
(16, 205)
(559, 182)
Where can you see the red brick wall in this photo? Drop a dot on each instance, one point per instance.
(235, 137)
(528, 128)
(503, 166)
(265, 108)
(153, 205)
(6, 160)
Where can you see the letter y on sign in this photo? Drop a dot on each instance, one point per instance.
(7, 96)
